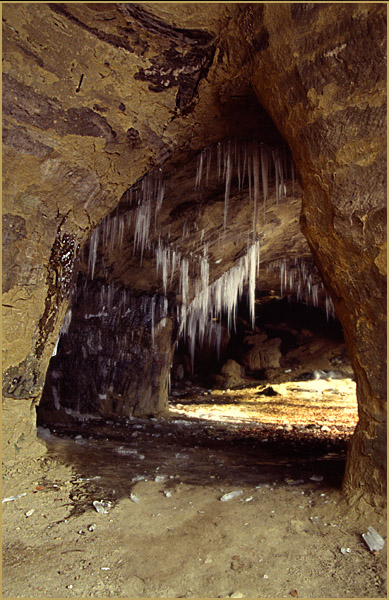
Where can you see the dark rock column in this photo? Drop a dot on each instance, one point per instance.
(113, 357)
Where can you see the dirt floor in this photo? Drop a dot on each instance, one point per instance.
(168, 531)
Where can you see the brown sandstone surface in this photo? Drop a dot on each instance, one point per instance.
(96, 96)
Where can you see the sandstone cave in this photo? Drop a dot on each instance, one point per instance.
(194, 238)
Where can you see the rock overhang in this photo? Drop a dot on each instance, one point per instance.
(323, 82)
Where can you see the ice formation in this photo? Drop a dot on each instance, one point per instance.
(238, 164)
(243, 163)
(301, 280)
(93, 245)
(212, 301)
(64, 329)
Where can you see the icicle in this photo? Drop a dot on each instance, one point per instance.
(265, 174)
(93, 245)
(237, 159)
(56, 347)
(330, 309)
(256, 189)
(252, 282)
(244, 164)
(199, 172)
(315, 295)
(227, 185)
(204, 294)
(121, 232)
(281, 173)
(162, 263)
(184, 280)
(165, 307)
(142, 224)
(175, 264)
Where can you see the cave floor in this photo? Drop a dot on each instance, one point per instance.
(166, 532)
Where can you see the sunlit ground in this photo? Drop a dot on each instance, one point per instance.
(320, 402)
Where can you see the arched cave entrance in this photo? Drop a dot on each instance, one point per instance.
(312, 97)
(187, 276)
(174, 100)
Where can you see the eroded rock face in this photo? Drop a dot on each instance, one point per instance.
(78, 126)
(113, 357)
(334, 121)
(264, 354)
(96, 96)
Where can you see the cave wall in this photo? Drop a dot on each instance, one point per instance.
(113, 356)
(94, 96)
(333, 116)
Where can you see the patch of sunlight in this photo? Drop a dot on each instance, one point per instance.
(318, 402)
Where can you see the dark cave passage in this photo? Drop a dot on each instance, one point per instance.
(292, 324)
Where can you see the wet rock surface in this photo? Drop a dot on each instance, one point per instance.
(113, 357)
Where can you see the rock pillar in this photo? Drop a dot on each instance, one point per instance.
(324, 84)
(113, 357)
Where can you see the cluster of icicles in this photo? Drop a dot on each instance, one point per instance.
(297, 280)
(252, 164)
(243, 164)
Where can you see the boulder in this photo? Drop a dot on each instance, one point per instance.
(231, 372)
(255, 340)
(263, 354)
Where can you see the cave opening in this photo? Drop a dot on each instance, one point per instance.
(281, 388)
(188, 200)
(192, 295)
(283, 426)
(291, 371)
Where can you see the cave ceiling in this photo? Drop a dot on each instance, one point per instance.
(192, 220)
(194, 210)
